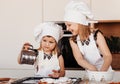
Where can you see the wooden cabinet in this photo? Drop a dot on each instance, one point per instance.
(109, 27)
(112, 28)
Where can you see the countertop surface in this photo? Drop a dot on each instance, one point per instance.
(84, 81)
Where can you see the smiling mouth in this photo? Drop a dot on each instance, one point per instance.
(46, 47)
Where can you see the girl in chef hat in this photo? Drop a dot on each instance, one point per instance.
(89, 48)
(49, 62)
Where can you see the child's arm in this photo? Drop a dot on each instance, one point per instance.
(62, 67)
(18, 59)
(107, 56)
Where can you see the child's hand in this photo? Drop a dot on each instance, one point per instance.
(27, 46)
(56, 74)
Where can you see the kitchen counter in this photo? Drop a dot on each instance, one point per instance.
(85, 81)
(20, 73)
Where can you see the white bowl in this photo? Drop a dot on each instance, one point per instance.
(99, 75)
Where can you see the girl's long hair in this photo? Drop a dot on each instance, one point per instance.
(84, 32)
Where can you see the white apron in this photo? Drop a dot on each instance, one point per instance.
(91, 52)
(45, 66)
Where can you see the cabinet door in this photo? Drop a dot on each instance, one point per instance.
(53, 10)
(106, 9)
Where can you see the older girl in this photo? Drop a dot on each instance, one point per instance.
(89, 48)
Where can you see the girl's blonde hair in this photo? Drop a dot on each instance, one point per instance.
(84, 32)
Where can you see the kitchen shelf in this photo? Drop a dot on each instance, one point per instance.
(108, 21)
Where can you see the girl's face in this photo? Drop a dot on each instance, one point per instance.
(48, 44)
(72, 27)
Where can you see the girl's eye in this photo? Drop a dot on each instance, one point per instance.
(44, 40)
(51, 42)
(68, 25)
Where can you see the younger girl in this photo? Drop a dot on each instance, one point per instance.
(49, 62)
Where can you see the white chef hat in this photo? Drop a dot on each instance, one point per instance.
(78, 11)
(48, 28)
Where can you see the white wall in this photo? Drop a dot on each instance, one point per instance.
(106, 9)
(17, 21)
(53, 10)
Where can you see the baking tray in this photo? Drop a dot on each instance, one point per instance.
(34, 80)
